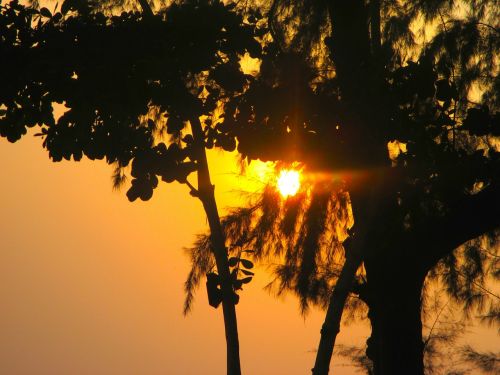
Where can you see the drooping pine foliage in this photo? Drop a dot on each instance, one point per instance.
(424, 79)
(300, 237)
(426, 49)
(454, 32)
(445, 350)
(434, 67)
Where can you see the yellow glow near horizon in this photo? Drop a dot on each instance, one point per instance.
(288, 182)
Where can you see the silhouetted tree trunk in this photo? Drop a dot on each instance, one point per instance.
(365, 206)
(207, 197)
(394, 300)
(146, 8)
(395, 278)
(375, 26)
(206, 194)
(351, 48)
(331, 326)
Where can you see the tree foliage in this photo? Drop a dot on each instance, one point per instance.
(125, 84)
(399, 95)
(394, 103)
(437, 155)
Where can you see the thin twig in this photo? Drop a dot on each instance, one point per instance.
(194, 192)
(434, 324)
(479, 286)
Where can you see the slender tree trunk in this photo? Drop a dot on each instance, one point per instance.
(206, 195)
(395, 346)
(351, 50)
(331, 326)
(146, 8)
(365, 205)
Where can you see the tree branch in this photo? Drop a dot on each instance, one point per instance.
(470, 217)
(146, 8)
(479, 286)
(193, 191)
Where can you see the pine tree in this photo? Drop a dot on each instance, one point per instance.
(397, 102)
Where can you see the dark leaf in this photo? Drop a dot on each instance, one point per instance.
(246, 263)
(233, 261)
(213, 291)
(246, 280)
(45, 12)
(237, 284)
(66, 6)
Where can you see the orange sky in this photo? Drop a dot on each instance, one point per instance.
(92, 284)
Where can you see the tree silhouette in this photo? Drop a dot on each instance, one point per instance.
(385, 95)
(361, 91)
(126, 81)
(444, 350)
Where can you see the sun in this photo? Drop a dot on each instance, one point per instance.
(288, 182)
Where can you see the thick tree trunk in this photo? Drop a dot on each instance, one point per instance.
(349, 44)
(375, 38)
(394, 300)
(206, 195)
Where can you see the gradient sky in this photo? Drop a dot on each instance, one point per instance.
(92, 284)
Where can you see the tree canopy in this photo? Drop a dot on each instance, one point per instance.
(397, 104)
(127, 82)
(390, 107)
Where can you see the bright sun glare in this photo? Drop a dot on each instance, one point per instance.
(288, 182)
